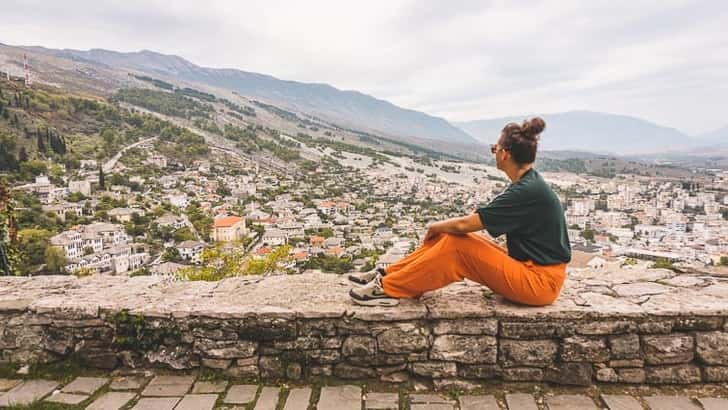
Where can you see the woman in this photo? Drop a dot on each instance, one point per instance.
(527, 212)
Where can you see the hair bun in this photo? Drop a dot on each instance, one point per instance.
(533, 127)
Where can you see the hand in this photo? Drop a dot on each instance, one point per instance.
(431, 234)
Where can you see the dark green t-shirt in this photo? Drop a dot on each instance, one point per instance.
(530, 215)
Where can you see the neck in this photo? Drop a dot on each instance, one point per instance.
(515, 173)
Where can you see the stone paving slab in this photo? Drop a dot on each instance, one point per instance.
(478, 403)
(268, 398)
(197, 402)
(429, 399)
(570, 402)
(381, 401)
(431, 407)
(521, 401)
(28, 392)
(713, 403)
(156, 403)
(340, 398)
(7, 384)
(670, 403)
(621, 402)
(111, 401)
(85, 385)
(169, 386)
(202, 387)
(241, 394)
(67, 398)
(298, 399)
(127, 383)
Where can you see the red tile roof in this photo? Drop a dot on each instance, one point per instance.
(227, 221)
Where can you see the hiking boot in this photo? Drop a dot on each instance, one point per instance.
(362, 278)
(372, 294)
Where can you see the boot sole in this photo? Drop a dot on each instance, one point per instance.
(386, 302)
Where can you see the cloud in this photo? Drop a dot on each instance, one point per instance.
(665, 61)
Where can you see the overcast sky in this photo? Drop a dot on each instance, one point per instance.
(665, 61)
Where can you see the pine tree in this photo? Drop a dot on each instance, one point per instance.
(22, 155)
(102, 178)
(41, 145)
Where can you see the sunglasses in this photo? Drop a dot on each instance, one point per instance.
(495, 148)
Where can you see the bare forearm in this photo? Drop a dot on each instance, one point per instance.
(460, 225)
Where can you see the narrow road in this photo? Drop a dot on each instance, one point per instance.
(110, 164)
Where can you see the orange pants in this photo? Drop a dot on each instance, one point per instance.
(451, 258)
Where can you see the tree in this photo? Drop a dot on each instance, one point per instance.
(171, 255)
(723, 261)
(55, 260)
(102, 178)
(588, 234)
(34, 243)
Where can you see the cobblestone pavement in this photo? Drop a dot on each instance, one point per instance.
(170, 392)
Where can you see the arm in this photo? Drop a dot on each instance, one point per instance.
(459, 226)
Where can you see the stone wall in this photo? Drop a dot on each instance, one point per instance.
(301, 326)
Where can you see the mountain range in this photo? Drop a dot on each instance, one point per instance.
(599, 132)
(346, 108)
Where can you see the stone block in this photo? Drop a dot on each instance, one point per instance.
(332, 343)
(207, 387)
(522, 374)
(259, 329)
(625, 346)
(478, 403)
(168, 386)
(518, 353)
(197, 402)
(536, 330)
(668, 349)
(629, 375)
(403, 338)
(712, 347)
(347, 371)
(28, 392)
(219, 364)
(715, 374)
(436, 370)
(156, 403)
(298, 399)
(697, 323)
(381, 360)
(465, 349)
(627, 363)
(713, 403)
(606, 327)
(318, 327)
(304, 342)
(126, 383)
(294, 371)
(671, 402)
(340, 398)
(478, 371)
(111, 401)
(67, 398)
(456, 384)
(656, 326)
(583, 349)
(85, 385)
(241, 394)
(578, 374)
(676, 374)
(521, 401)
(621, 402)
(466, 327)
(357, 345)
(428, 398)
(268, 398)
(607, 375)
(225, 349)
(570, 402)
(381, 401)
(271, 367)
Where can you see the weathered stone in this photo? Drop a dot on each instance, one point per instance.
(225, 349)
(521, 401)
(478, 403)
(430, 399)
(293, 371)
(456, 384)
(332, 343)
(305, 343)
(713, 403)
(168, 386)
(396, 377)
(678, 374)
(465, 349)
(214, 334)
(570, 402)
(478, 371)
(318, 327)
(466, 327)
(271, 367)
(515, 353)
(535, 330)
(197, 402)
(241, 394)
(627, 363)
(7, 384)
(668, 349)
(582, 349)
(58, 341)
(607, 375)
(697, 323)
(298, 399)
(717, 374)
(178, 357)
(268, 398)
(624, 346)
(126, 383)
(378, 360)
(28, 392)
(621, 402)
(206, 387)
(656, 326)
(435, 369)
(381, 401)
(340, 398)
(347, 371)
(628, 375)
(111, 401)
(522, 374)
(220, 364)
(98, 358)
(267, 329)
(712, 347)
(403, 338)
(671, 402)
(359, 346)
(606, 327)
(156, 403)
(66, 398)
(85, 385)
(325, 370)
(579, 374)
